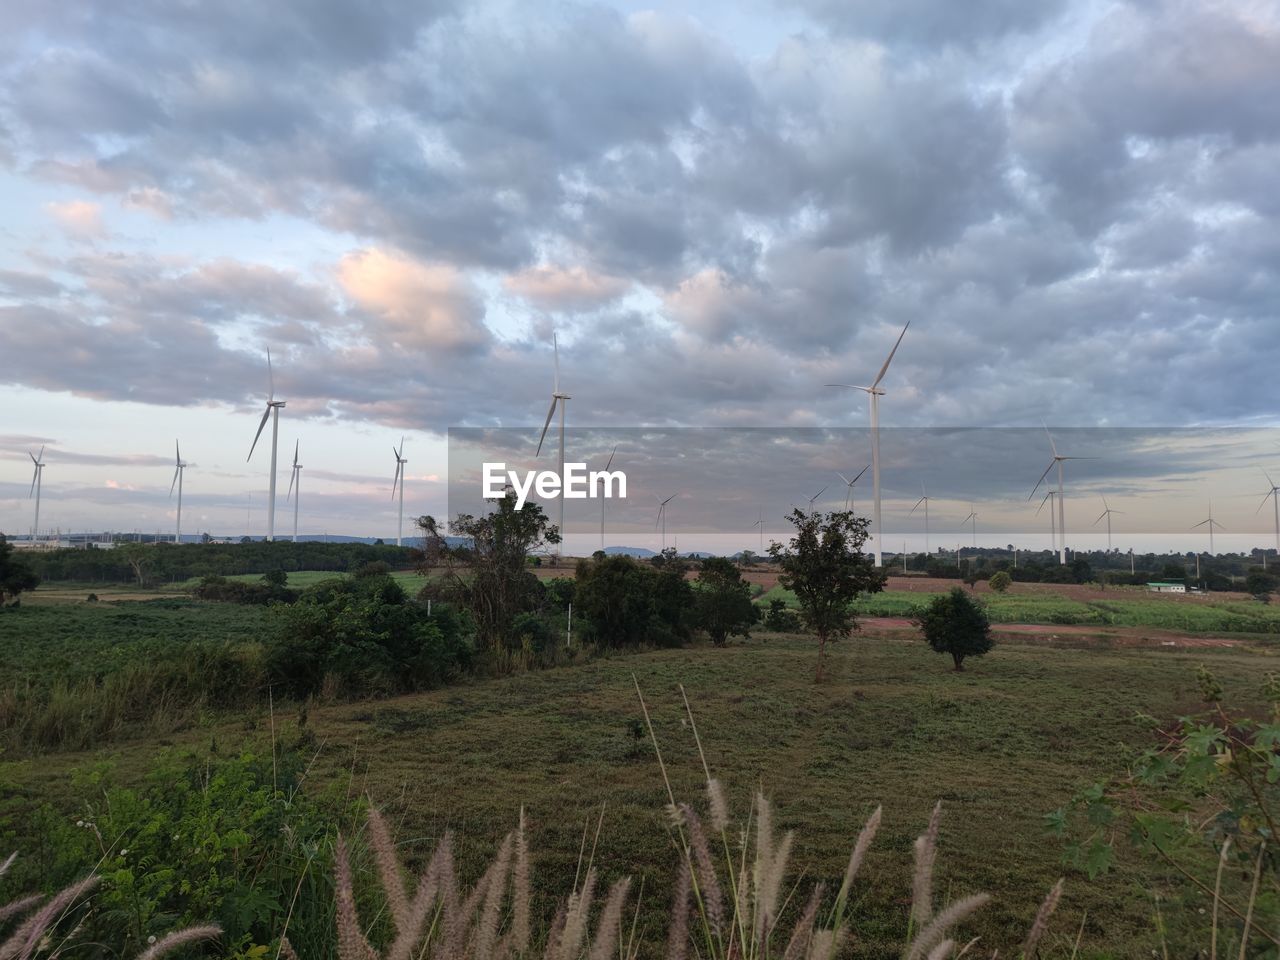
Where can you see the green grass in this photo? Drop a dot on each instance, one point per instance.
(1002, 745)
(301, 579)
(1199, 615)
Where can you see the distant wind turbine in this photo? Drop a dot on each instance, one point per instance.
(973, 515)
(1053, 525)
(557, 397)
(36, 480)
(1211, 524)
(1057, 460)
(760, 523)
(178, 469)
(874, 393)
(295, 483)
(924, 499)
(848, 485)
(602, 499)
(1107, 512)
(662, 518)
(273, 411)
(1274, 494)
(815, 497)
(398, 479)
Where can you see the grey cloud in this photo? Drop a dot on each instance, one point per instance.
(931, 23)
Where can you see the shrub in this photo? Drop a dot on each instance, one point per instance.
(722, 601)
(624, 603)
(237, 591)
(1000, 581)
(16, 574)
(956, 624)
(780, 617)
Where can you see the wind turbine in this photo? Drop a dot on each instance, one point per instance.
(398, 480)
(602, 499)
(662, 518)
(924, 498)
(1274, 494)
(973, 515)
(1107, 512)
(815, 497)
(874, 393)
(295, 480)
(273, 411)
(1057, 460)
(1211, 523)
(563, 400)
(1053, 526)
(848, 493)
(36, 477)
(760, 523)
(178, 469)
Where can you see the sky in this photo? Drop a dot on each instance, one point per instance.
(717, 208)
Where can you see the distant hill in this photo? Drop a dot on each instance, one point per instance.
(641, 553)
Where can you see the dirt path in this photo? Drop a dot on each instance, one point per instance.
(1121, 636)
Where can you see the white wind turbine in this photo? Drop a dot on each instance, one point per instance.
(1274, 494)
(1106, 512)
(815, 497)
(760, 523)
(36, 478)
(273, 411)
(848, 484)
(874, 393)
(1210, 523)
(178, 469)
(1057, 460)
(924, 498)
(607, 465)
(1053, 525)
(563, 400)
(295, 482)
(973, 515)
(662, 518)
(398, 480)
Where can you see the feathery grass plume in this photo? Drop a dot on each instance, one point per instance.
(942, 950)
(764, 859)
(926, 853)
(286, 949)
(8, 862)
(1041, 923)
(520, 891)
(825, 944)
(860, 847)
(575, 924)
(678, 931)
(384, 851)
(424, 898)
(180, 938)
(771, 889)
(22, 944)
(556, 933)
(609, 926)
(486, 935)
(936, 931)
(708, 882)
(798, 945)
(457, 932)
(20, 906)
(717, 805)
(352, 944)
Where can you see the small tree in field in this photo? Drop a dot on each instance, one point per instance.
(955, 623)
(15, 575)
(825, 568)
(722, 601)
(1000, 581)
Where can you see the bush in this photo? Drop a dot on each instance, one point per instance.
(956, 624)
(781, 618)
(267, 590)
(722, 601)
(366, 635)
(624, 603)
(1000, 581)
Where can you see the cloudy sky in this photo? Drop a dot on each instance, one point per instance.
(1075, 204)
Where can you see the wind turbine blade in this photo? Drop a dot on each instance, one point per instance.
(1269, 480)
(295, 452)
(1106, 506)
(1265, 497)
(861, 472)
(175, 480)
(1200, 524)
(266, 413)
(846, 480)
(1052, 446)
(918, 502)
(555, 347)
(1041, 480)
(292, 474)
(34, 474)
(669, 499)
(888, 360)
(1100, 516)
(271, 378)
(550, 413)
(1043, 501)
(177, 452)
(396, 479)
(818, 494)
(610, 461)
(33, 456)
(42, 451)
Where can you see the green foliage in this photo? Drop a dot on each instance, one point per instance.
(488, 577)
(826, 569)
(1000, 581)
(361, 635)
(267, 590)
(205, 839)
(780, 618)
(625, 603)
(722, 601)
(16, 574)
(1260, 583)
(957, 625)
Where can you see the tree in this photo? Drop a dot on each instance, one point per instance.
(15, 574)
(1261, 584)
(722, 601)
(625, 603)
(139, 558)
(1000, 581)
(956, 624)
(825, 567)
(488, 576)
(747, 558)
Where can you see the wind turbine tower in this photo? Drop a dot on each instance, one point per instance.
(178, 469)
(295, 483)
(662, 518)
(924, 499)
(1210, 523)
(874, 393)
(1053, 525)
(274, 407)
(36, 478)
(973, 516)
(1107, 512)
(848, 485)
(1057, 460)
(399, 479)
(561, 398)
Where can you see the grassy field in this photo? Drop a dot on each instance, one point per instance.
(301, 579)
(1002, 745)
(1165, 613)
